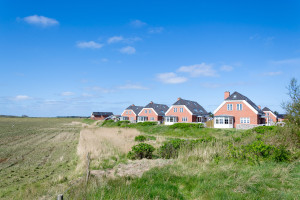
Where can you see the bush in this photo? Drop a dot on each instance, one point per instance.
(186, 125)
(281, 154)
(263, 129)
(140, 138)
(141, 151)
(147, 123)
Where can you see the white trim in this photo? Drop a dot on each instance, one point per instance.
(147, 113)
(177, 106)
(128, 110)
(272, 114)
(244, 101)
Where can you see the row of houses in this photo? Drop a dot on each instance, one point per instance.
(236, 111)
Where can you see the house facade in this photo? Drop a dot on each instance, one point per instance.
(237, 110)
(131, 113)
(185, 111)
(152, 112)
(270, 117)
(100, 115)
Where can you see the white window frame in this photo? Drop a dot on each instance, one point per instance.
(145, 111)
(245, 120)
(181, 109)
(175, 109)
(239, 106)
(229, 107)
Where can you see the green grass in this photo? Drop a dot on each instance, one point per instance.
(38, 156)
(88, 121)
(208, 171)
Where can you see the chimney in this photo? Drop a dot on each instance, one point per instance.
(259, 107)
(151, 102)
(132, 105)
(226, 95)
(178, 98)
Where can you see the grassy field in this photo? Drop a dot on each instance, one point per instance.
(237, 165)
(37, 156)
(40, 158)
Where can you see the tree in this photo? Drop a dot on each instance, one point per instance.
(292, 107)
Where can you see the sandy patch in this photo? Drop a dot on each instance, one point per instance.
(132, 168)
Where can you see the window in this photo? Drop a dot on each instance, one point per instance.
(217, 121)
(184, 119)
(129, 112)
(239, 106)
(229, 106)
(245, 120)
(181, 109)
(226, 120)
(149, 111)
(126, 112)
(175, 109)
(151, 118)
(145, 111)
(221, 121)
(230, 120)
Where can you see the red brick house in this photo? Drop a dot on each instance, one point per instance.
(131, 113)
(100, 115)
(271, 118)
(185, 111)
(237, 111)
(152, 112)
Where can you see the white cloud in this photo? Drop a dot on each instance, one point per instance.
(199, 70)
(67, 94)
(128, 50)
(170, 78)
(132, 87)
(115, 39)
(226, 68)
(101, 89)
(137, 23)
(90, 45)
(156, 30)
(272, 73)
(22, 97)
(40, 20)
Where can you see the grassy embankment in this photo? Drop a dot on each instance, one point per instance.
(253, 164)
(37, 156)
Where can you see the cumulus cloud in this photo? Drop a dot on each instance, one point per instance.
(132, 87)
(202, 69)
(40, 20)
(89, 45)
(226, 68)
(21, 97)
(128, 50)
(155, 30)
(137, 23)
(67, 94)
(170, 78)
(115, 39)
(272, 73)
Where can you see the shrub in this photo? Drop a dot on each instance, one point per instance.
(281, 154)
(186, 125)
(141, 151)
(147, 123)
(140, 138)
(170, 148)
(263, 129)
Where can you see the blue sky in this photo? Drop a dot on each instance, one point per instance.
(76, 57)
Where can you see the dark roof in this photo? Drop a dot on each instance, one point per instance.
(193, 106)
(281, 116)
(266, 109)
(135, 109)
(160, 109)
(238, 96)
(102, 113)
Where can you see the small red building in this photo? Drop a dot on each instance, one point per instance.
(100, 115)
(185, 111)
(237, 110)
(131, 113)
(152, 112)
(270, 117)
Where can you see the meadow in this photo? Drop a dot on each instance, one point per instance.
(43, 157)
